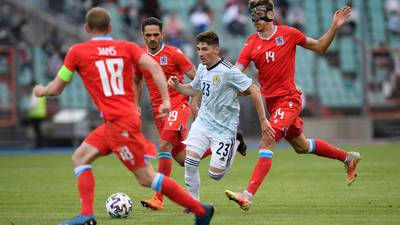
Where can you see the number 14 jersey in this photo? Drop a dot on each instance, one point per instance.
(106, 69)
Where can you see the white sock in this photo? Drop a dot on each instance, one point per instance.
(192, 176)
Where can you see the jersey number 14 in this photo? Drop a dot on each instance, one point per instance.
(115, 81)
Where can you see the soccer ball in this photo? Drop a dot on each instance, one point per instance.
(119, 205)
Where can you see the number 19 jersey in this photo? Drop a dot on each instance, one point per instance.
(106, 69)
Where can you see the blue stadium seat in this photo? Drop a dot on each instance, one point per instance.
(347, 54)
(5, 97)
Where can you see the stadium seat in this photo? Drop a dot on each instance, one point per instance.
(5, 97)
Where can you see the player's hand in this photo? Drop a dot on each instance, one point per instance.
(267, 129)
(173, 81)
(164, 109)
(341, 16)
(39, 90)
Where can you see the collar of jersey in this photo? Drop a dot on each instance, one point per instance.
(162, 47)
(100, 38)
(275, 29)
(215, 65)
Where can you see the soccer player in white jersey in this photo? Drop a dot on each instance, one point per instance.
(217, 121)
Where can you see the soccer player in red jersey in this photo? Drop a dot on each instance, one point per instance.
(172, 128)
(106, 68)
(273, 49)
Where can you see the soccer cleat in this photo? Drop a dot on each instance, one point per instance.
(154, 203)
(242, 148)
(206, 219)
(80, 220)
(350, 165)
(239, 198)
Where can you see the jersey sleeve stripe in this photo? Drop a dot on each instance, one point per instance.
(227, 64)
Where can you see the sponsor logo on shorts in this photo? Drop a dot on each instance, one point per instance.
(125, 133)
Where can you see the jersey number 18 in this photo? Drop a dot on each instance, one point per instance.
(115, 68)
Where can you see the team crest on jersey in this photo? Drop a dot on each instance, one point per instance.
(279, 41)
(163, 60)
(216, 79)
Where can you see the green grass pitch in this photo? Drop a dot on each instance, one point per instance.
(300, 190)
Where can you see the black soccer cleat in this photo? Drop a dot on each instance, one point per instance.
(242, 148)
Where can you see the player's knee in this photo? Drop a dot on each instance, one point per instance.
(300, 149)
(216, 174)
(144, 181)
(76, 159)
(165, 146)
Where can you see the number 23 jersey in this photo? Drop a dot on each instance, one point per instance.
(106, 69)
(219, 111)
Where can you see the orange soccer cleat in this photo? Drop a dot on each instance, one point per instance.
(350, 165)
(241, 199)
(153, 203)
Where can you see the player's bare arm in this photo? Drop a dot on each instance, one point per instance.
(195, 102)
(266, 127)
(322, 44)
(191, 73)
(185, 89)
(195, 105)
(138, 85)
(159, 78)
(241, 68)
(54, 88)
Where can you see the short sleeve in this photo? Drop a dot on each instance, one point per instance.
(244, 56)
(71, 59)
(196, 82)
(299, 37)
(183, 63)
(239, 80)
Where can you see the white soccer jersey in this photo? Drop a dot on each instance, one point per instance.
(219, 111)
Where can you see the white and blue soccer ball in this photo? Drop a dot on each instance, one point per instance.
(119, 205)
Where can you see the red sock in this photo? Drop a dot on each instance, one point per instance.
(207, 153)
(164, 167)
(326, 150)
(86, 191)
(177, 194)
(260, 171)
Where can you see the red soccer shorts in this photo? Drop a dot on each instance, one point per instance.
(285, 115)
(123, 137)
(173, 128)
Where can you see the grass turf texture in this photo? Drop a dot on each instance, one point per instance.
(300, 189)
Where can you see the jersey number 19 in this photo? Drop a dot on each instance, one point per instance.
(115, 68)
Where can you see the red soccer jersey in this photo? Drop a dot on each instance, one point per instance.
(274, 58)
(174, 63)
(106, 69)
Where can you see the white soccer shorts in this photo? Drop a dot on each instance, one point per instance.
(223, 150)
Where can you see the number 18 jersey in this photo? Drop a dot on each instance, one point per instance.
(106, 69)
